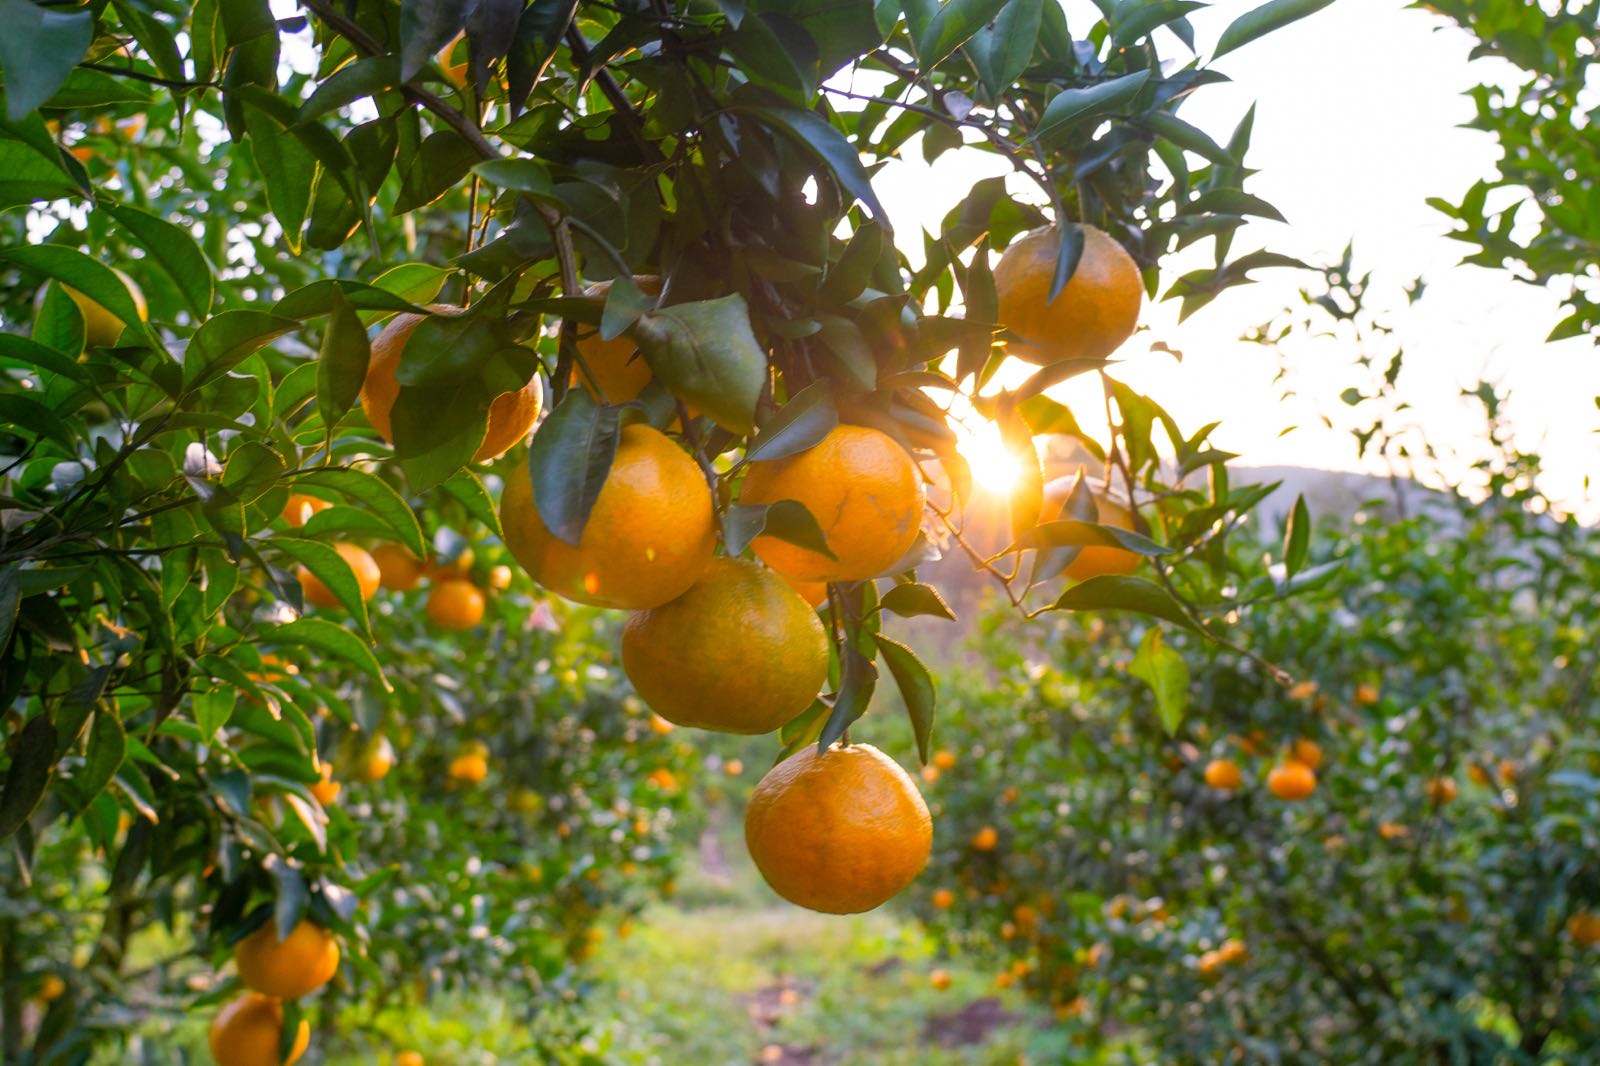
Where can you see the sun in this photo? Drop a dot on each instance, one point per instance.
(994, 469)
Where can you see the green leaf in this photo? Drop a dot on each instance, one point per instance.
(213, 708)
(1131, 22)
(82, 272)
(351, 82)
(323, 635)
(107, 748)
(252, 468)
(10, 599)
(787, 520)
(1263, 20)
(706, 353)
(799, 424)
(1296, 538)
(1111, 593)
(425, 27)
(28, 177)
(1071, 106)
(329, 567)
(916, 688)
(1002, 52)
(1164, 670)
(466, 487)
(32, 763)
(376, 496)
(815, 134)
(173, 249)
(288, 169)
(436, 168)
(955, 23)
(322, 297)
(1073, 533)
(342, 364)
(859, 679)
(38, 50)
(227, 340)
(416, 283)
(568, 461)
(523, 175)
(17, 409)
(911, 599)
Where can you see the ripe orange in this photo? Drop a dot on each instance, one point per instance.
(615, 366)
(327, 789)
(839, 832)
(1097, 559)
(1442, 790)
(409, 1058)
(247, 1031)
(500, 577)
(459, 567)
(51, 988)
(648, 538)
(290, 968)
(943, 899)
(380, 760)
(865, 493)
(511, 414)
(1584, 928)
(1091, 317)
(456, 74)
(455, 605)
(939, 979)
(1366, 695)
(101, 328)
(1393, 831)
(398, 569)
(660, 726)
(1292, 780)
(813, 592)
(944, 759)
(470, 767)
(367, 576)
(1223, 774)
(1303, 690)
(733, 767)
(740, 652)
(298, 508)
(1305, 750)
(663, 779)
(929, 774)
(985, 839)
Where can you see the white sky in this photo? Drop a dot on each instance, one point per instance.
(1356, 124)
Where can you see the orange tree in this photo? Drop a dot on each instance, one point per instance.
(654, 222)
(1390, 861)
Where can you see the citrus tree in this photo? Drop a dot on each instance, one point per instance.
(286, 297)
(1389, 861)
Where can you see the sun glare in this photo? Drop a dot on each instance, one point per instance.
(994, 469)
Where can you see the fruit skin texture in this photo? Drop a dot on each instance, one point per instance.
(398, 569)
(455, 605)
(740, 652)
(648, 539)
(1223, 774)
(1292, 781)
(367, 576)
(296, 967)
(841, 832)
(1092, 316)
(511, 415)
(246, 1033)
(101, 328)
(865, 493)
(611, 364)
(1097, 559)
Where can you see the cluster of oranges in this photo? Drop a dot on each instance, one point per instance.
(1293, 778)
(248, 1031)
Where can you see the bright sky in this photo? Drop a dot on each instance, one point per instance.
(1356, 124)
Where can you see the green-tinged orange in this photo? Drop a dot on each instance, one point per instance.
(1089, 319)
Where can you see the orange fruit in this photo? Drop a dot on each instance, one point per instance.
(944, 759)
(660, 726)
(985, 839)
(1091, 317)
(1306, 751)
(939, 979)
(663, 779)
(1223, 774)
(839, 832)
(615, 366)
(1366, 695)
(455, 74)
(1584, 928)
(471, 767)
(367, 576)
(1097, 559)
(51, 988)
(733, 767)
(740, 652)
(290, 968)
(1233, 951)
(865, 493)
(327, 789)
(398, 569)
(1393, 831)
(409, 1058)
(1477, 774)
(930, 774)
(511, 414)
(101, 328)
(813, 592)
(455, 605)
(1441, 790)
(247, 1032)
(459, 567)
(379, 761)
(649, 536)
(1292, 780)
(298, 508)
(943, 899)
(500, 577)
(1303, 690)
